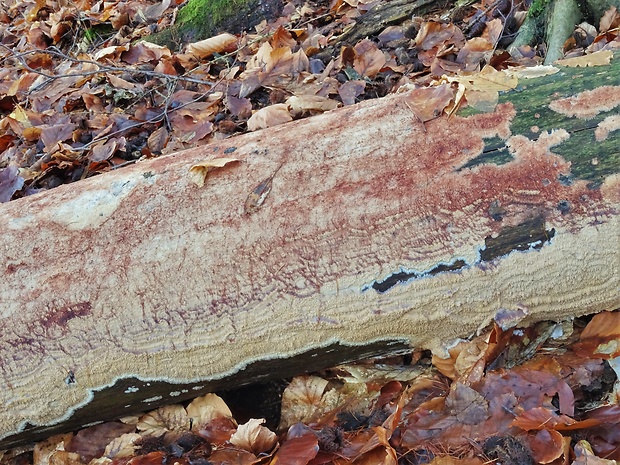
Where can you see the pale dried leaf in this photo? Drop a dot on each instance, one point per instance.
(610, 20)
(206, 408)
(164, 419)
(220, 43)
(198, 174)
(585, 456)
(302, 103)
(600, 58)
(123, 446)
(269, 116)
(62, 457)
(44, 449)
(254, 437)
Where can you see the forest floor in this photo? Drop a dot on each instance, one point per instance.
(79, 96)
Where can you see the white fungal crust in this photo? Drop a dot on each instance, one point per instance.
(142, 273)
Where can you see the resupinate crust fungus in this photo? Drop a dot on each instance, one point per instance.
(130, 282)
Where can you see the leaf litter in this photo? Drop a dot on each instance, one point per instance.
(484, 404)
(82, 91)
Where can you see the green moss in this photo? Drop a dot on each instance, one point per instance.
(537, 7)
(590, 160)
(200, 19)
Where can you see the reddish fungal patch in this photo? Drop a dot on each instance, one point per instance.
(588, 104)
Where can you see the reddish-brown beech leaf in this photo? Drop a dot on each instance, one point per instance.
(547, 445)
(103, 151)
(218, 431)
(433, 34)
(542, 418)
(467, 405)
(350, 90)
(378, 456)
(282, 38)
(368, 58)
(447, 460)
(145, 52)
(51, 135)
(152, 458)
(254, 437)
(299, 450)
(601, 337)
(158, 140)
(230, 456)
(428, 103)
(91, 442)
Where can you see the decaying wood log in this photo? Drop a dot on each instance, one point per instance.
(357, 231)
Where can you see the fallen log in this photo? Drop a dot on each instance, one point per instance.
(359, 231)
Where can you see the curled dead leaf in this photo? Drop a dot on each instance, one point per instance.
(254, 437)
(204, 409)
(164, 419)
(269, 116)
(220, 43)
(198, 172)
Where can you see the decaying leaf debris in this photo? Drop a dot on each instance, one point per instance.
(538, 395)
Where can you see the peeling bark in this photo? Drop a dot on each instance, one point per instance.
(137, 288)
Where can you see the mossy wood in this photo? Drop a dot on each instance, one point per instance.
(138, 288)
(200, 19)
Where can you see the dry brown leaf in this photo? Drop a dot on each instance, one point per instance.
(254, 437)
(198, 173)
(610, 20)
(601, 337)
(167, 418)
(158, 140)
(600, 58)
(585, 456)
(204, 409)
(428, 103)
(225, 42)
(368, 59)
(272, 115)
(547, 446)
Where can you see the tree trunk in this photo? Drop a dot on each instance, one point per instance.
(355, 232)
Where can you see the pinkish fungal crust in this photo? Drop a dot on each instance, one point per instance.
(588, 104)
(175, 282)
